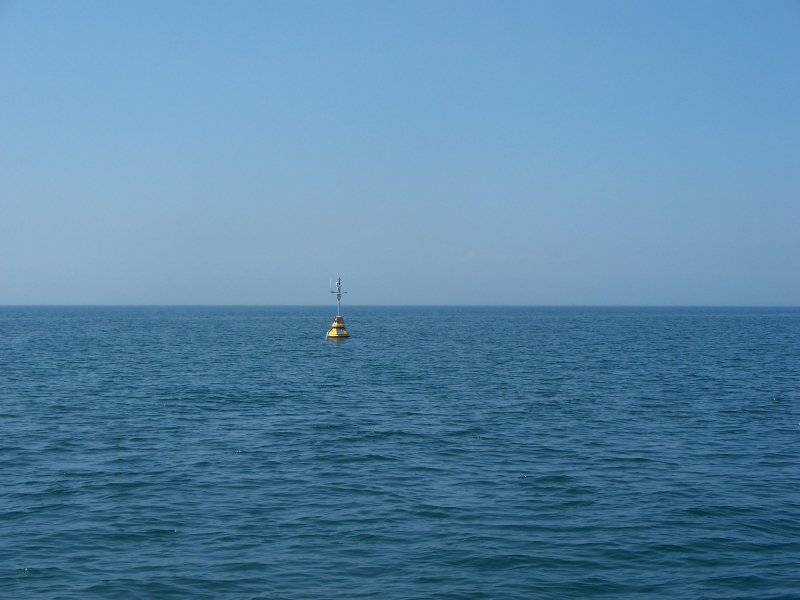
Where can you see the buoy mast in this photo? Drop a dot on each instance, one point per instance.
(338, 293)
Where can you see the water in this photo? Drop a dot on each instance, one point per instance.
(437, 453)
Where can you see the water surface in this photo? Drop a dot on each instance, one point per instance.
(437, 453)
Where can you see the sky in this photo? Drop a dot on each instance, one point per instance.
(512, 153)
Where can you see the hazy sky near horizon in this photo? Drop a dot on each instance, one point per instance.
(426, 152)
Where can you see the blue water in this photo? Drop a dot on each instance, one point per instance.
(437, 453)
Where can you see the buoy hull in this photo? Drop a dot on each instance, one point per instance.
(337, 330)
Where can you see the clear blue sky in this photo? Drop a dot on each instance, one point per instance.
(426, 152)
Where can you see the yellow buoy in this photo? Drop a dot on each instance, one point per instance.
(337, 330)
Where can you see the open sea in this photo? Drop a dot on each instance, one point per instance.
(439, 452)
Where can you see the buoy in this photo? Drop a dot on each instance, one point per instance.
(337, 330)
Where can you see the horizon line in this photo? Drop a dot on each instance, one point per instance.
(401, 305)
